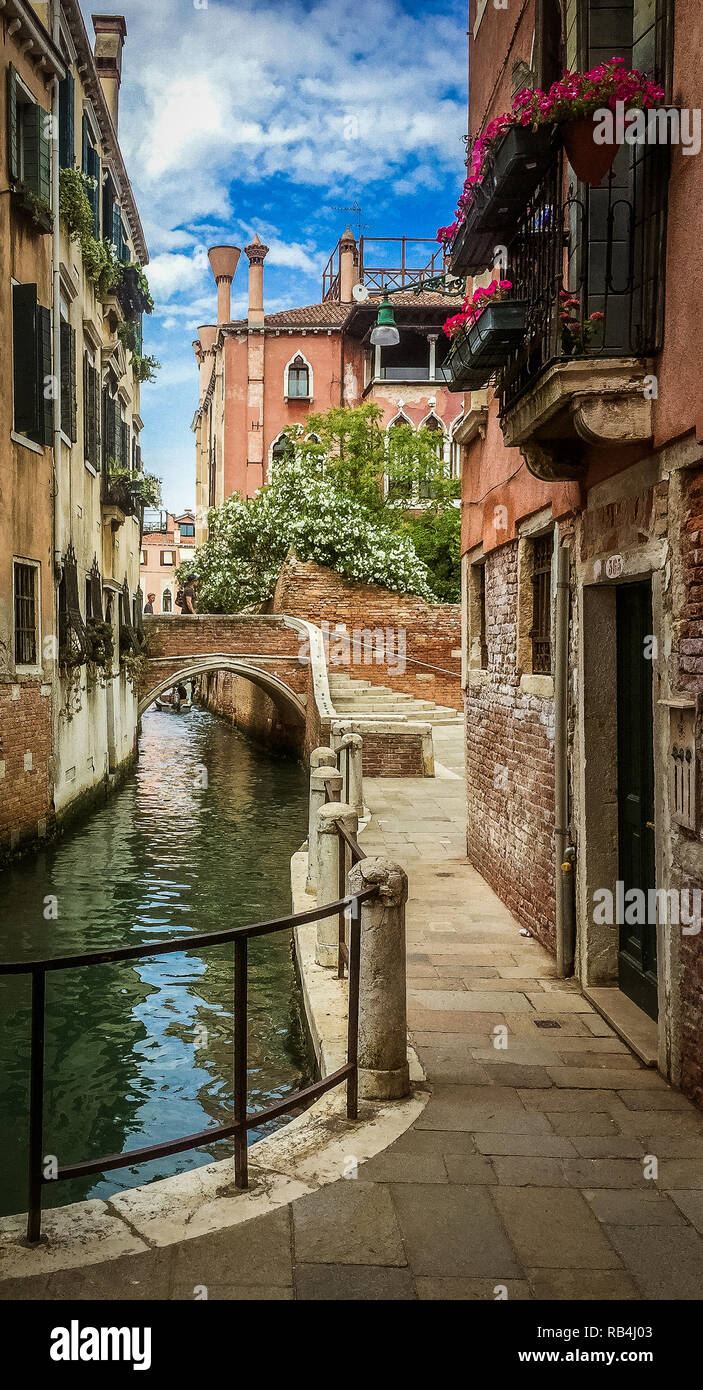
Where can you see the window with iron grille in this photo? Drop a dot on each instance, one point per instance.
(540, 633)
(25, 615)
(482, 617)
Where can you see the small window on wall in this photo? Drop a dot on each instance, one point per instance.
(540, 633)
(478, 620)
(26, 614)
(142, 557)
(187, 528)
(166, 601)
(167, 557)
(298, 383)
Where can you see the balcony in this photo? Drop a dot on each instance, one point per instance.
(590, 269)
(521, 158)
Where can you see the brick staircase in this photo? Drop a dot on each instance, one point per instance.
(357, 699)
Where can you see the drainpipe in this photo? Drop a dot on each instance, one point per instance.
(565, 948)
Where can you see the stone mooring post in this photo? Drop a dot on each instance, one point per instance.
(325, 785)
(329, 848)
(353, 792)
(383, 1043)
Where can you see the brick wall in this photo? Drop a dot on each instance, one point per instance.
(26, 786)
(510, 768)
(432, 631)
(687, 847)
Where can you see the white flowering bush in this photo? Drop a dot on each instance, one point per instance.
(301, 509)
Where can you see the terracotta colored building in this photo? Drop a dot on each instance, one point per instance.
(262, 374)
(168, 541)
(582, 524)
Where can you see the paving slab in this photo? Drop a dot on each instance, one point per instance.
(454, 1231)
(552, 1227)
(665, 1262)
(367, 1283)
(348, 1223)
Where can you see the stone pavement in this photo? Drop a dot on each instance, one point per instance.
(528, 1170)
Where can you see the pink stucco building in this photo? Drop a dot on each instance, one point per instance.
(168, 541)
(262, 374)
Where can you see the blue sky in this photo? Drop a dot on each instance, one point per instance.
(240, 116)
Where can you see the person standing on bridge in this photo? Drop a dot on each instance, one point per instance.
(149, 605)
(187, 600)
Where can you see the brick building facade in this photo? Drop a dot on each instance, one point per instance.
(582, 511)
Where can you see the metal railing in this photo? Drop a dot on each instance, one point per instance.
(603, 246)
(378, 277)
(349, 956)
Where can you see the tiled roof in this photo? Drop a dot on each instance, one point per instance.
(331, 314)
(326, 315)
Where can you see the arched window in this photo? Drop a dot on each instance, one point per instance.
(434, 425)
(298, 379)
(398, 484)
(455, 451)
(280, 447)
(166, 601)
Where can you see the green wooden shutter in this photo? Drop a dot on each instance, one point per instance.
(94, 376)
(30, 116)
(46, 402)
(94, 159)
(37, 151)
(114, 231)
(68, 381)
(139, 335)
(67, 152)
(90, 412)
(24, 359)
(124, 446)
(86, 409)
(13, 146)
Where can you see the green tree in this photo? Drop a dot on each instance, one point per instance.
(327, 499)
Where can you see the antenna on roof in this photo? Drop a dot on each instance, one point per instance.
(357, 209)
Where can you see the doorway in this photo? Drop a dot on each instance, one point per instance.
(637, 940)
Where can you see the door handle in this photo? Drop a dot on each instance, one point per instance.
(650, 824)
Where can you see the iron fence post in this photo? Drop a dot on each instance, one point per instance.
(241, 1164)
(36, 1106)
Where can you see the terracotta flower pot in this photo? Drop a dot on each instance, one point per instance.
(589, 161)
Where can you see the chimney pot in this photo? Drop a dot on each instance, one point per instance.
(223, 263)
(110, 34)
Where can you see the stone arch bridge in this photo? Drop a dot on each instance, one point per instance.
(276, 688)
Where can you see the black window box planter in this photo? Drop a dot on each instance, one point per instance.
(512, 174)
(482, 350)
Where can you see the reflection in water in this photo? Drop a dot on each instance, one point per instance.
(198, 839)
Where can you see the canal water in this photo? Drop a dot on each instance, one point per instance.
(198, 839)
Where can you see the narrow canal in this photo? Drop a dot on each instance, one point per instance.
(198, 839)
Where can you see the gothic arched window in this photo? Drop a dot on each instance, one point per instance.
(298, 379)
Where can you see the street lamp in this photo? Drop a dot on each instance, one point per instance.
(385, 334)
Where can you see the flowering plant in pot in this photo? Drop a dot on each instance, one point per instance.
(576, 331)
(475, 304)
(487, 329)
(572, 103)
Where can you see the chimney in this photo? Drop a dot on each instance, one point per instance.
(110, 34)
(223, 263)
(256, 254)
(204, 348)
(348, 266)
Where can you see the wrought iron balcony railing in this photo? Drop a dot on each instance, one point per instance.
(599, 251)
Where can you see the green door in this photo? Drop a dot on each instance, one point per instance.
(637, 954)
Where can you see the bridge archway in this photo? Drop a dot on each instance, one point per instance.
(279, 692)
